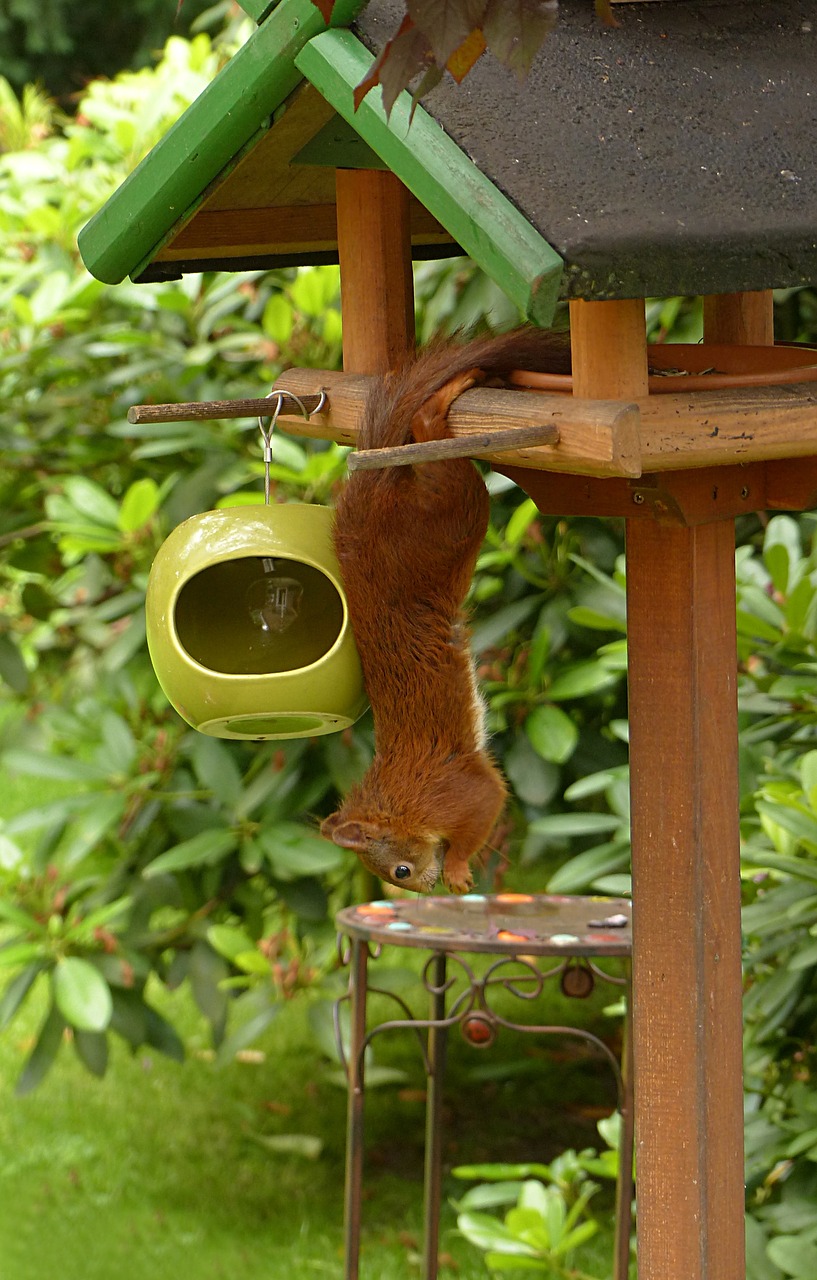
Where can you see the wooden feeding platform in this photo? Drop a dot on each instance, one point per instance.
(673, 154)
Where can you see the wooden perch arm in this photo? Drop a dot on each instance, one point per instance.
(473, 445)
(208, 410)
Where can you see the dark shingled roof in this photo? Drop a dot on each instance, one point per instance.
(676, 153)
(673, 154)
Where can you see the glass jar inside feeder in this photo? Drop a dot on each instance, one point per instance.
(247, 624)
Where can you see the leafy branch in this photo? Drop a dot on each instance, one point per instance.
(435, 36)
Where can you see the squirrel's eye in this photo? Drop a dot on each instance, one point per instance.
(402, 872)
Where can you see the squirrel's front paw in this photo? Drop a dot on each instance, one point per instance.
(458, 879)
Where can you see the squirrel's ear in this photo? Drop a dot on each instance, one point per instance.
(329, 824)
(352, 835)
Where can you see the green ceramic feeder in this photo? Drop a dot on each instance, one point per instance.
(248, 628)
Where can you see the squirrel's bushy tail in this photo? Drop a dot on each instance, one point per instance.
(396, 399)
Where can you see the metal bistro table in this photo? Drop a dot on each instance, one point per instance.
(519, 930)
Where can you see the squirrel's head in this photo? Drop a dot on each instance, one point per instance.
(408, 862)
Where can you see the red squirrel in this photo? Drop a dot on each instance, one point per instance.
(407, 539)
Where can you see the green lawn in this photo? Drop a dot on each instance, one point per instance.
(160, 1172)
(157, 1172)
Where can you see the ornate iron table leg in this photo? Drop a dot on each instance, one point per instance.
(437, 1045)
(355, 1104)
(624, 1182)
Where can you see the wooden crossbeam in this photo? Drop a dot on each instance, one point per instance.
(597, 438)
(647, 435)
(655, 433)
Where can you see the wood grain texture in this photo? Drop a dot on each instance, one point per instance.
(473, 445)
(598, 438)
(686, 877)
(377, 287)
(210, 410)
(718, 428)
(686, 940)
(609, 345)
(687, 977)
(745, 318)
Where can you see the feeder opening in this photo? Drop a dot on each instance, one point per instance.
(258, 615)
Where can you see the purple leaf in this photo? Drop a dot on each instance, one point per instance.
(514, 30)
(446, 23)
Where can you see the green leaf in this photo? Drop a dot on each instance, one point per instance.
(489, 1195)
(587, 867)
(791, 818)
(523, 517)
(92, 501)
(781, 551)
(594, 620)
(534, 780)
(82, 995)
(129, 1016)
(119, 747)
(139, 505)
(14, 954)
(160, 1034)
(203, 850)
(293, 852)
(92, 1050)
(795, 1255)
(10, 913)
(217, 770)
(90, 827)
(305, 1145)
(229, 941)
(580, 680)
(246, 1034)
(502, 1172)
(501, 1261)
(57, 768)
(277, 320)
(553, 735)
(487, 1233)
(42, 1056)
(16, 992)
(800, 868)
(207, 971)
(575, 1238)
(559, 825)
(12, 667)
(488, 634)
(305, 898)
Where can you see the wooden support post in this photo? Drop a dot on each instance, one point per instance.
(686, 936)
(686, 887)
(740, 317)
(376, 282)
(609, 347)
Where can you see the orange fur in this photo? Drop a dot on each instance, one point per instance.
(407, 540)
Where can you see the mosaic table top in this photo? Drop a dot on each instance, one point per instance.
(503, 923)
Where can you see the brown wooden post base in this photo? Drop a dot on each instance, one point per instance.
(687, 1008)
(686, 892)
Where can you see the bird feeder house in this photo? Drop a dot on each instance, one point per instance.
(672, 154)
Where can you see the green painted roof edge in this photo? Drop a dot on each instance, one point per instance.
(475, 212)
(171, 178)
(258, 10)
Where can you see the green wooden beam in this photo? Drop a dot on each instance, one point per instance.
(479, 217)
(204, 140)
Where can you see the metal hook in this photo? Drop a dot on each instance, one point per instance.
(266, 426)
